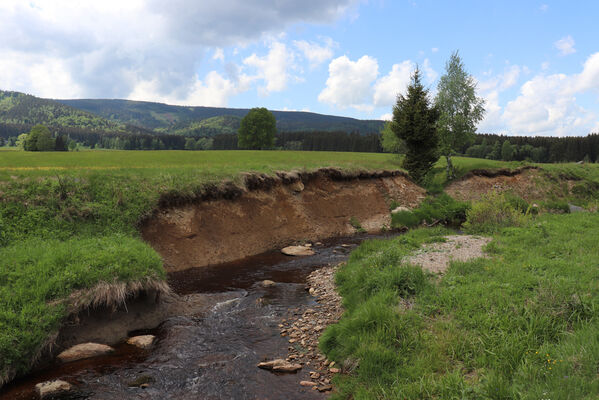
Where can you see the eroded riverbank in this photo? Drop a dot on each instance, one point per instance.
(210, 349)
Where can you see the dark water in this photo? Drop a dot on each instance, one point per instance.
(211, 355)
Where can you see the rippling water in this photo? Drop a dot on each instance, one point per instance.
(213, 353)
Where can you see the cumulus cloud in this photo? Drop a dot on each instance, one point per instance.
(107, 48)
(350, 83)
(274, 68)
(396, 81)
(219, 54)
(547, 104)
(315, 53)
(565, 45)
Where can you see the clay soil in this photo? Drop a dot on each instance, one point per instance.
(273, 213)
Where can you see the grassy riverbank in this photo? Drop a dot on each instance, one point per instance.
(69, 222)
(520, 324)
(92, 202)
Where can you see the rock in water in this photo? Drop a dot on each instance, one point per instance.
(279, 366)
(297, 251)
(84, 350)
(52, 389)
(268, 283)
(143, 341)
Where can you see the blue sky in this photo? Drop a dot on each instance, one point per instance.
(536, 62)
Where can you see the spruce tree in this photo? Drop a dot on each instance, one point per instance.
(414, 121)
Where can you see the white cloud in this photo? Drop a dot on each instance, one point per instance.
(588, 79)
(315, 53)
(434, 49)
(510, 77)
(273, 68)
(386, 117)
(544, 7)
(48, 75)
(213, 91)
(547, 104)
(565, 45)
(219, 54)
(350, 83)
(389, 86)
(430, 74)
(106, 48)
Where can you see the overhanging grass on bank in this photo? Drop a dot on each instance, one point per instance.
(68, 221)
(523, 324)
(36, 275)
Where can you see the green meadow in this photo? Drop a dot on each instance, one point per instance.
(521, 324)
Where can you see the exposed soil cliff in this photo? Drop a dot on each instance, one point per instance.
(530, 183)
(231, 223)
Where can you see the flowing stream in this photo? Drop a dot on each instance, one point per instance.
(212, 353)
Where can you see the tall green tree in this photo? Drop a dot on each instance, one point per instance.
(257, 130)
(461, 110)
(415, 122)
(390, 142)
(39, 139)
(507, 151)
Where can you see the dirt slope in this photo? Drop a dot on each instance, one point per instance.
(271, 213)
(529, 183)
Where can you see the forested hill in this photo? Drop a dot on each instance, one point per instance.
(166, 118)
(19, 112)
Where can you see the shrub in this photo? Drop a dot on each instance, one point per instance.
(492, 213)
(440, 209)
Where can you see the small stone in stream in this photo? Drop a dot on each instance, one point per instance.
(332, 364)
(297, 251)
(268, 283)
(52, 389)
(292, 340)
(325, 388)
(84, 350)
(279, 366)
(308, 383)
(334, 370)
(141, 381)
(312, 291)
(314, 375)
(346, 245)
(142, 341)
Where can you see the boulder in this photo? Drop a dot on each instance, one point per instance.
(575, 209)
(297, 251)
(52, 389)
(142, 341)
(84, 350)
(268, 283)
(308, 383)
(279, 366)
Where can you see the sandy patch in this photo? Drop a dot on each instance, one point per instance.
(435, 257)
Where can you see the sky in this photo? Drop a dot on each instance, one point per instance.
(536, 63)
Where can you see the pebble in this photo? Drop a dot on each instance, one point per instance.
(304, 328)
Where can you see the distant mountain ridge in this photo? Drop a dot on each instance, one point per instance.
(166, 118)
(19, 112)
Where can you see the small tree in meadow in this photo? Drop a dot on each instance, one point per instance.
(257, 130)
(460, 110)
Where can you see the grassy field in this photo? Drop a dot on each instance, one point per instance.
(523, 324)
